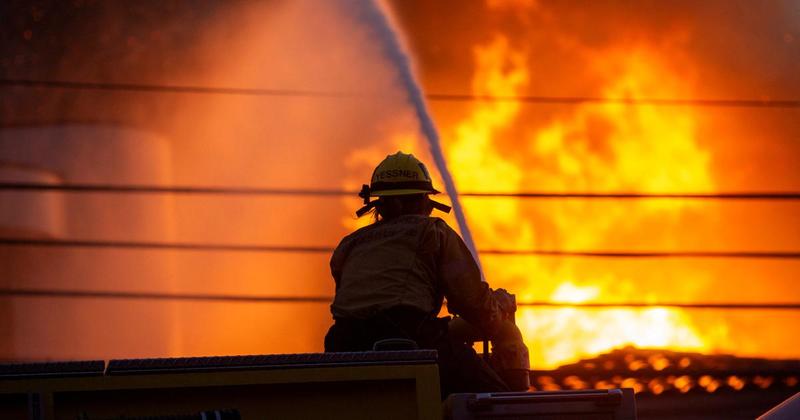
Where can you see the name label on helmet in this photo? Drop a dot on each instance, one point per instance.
(396, 173)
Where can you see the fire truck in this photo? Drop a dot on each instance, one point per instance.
(360, 385)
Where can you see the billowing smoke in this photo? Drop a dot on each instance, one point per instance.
(282, 142)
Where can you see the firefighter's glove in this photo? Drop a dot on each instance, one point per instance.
(506, 301)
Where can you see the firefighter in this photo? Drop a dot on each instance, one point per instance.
(392, 276)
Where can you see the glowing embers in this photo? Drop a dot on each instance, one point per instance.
(574, 382)
(656, 385)
(660, 384)
(632, 383)
(658, 361)
(710, 384)
(658, 372)
(736, 382)
(547, 383)
(763, 382)
(683, 383)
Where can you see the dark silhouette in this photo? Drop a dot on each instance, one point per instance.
(393, 275)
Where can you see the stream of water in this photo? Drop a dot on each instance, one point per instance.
(396, 54)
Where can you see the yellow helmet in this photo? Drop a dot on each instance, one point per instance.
(401, 174)
(398, 174)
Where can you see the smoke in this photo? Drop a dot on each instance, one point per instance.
(211, 140)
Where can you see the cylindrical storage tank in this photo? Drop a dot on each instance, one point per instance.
(24, 215)
(80, 327)
(30, 214)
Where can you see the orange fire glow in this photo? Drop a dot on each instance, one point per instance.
(593, 148)
(500, 146)
(324, 140)
(635, 154)
(642, 142)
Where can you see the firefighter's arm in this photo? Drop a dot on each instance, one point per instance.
(467, 296)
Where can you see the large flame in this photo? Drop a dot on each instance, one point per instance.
(509, 146)
(591, 148)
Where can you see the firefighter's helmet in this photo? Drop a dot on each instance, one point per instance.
(401, 174)
(398, 174)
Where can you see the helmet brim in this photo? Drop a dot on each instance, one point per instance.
(390, 193)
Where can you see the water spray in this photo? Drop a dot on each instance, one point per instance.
(394, 51)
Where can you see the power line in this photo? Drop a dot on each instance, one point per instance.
(154, 189)
(675, 305)
(625, 195)
(99, 294)
(137, 87)
(96, 294)
(145, 245)
(198, 190)
(647, 254)
(67, 243)
(442, 97)
(578, 100)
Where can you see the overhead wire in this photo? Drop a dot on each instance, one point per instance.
(157, 189)
(441, 97)
(133, 87)
(220, 247)
(211, 190)
(73, 243)
(208, 297)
